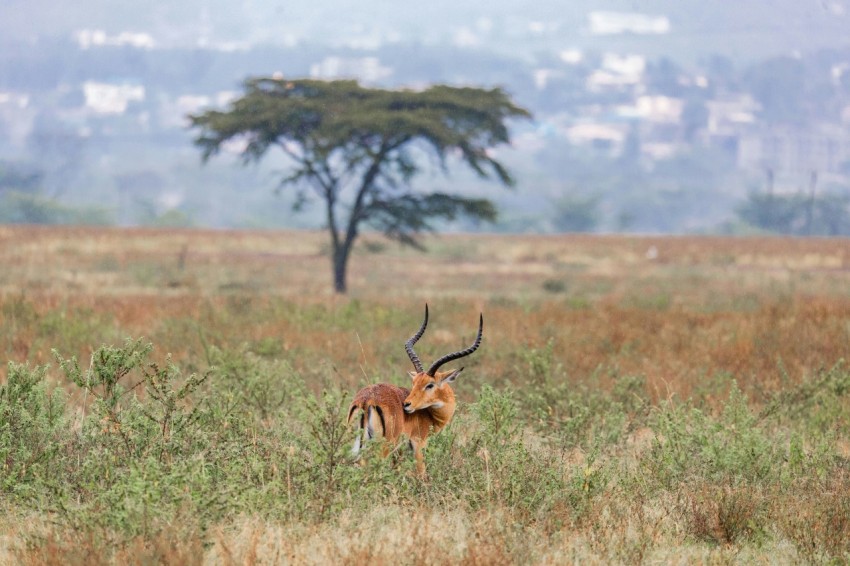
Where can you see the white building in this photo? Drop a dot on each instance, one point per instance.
(658, 109)
(614, 23)
(617, 71)
(367, 69)
(796, 152)
(110, 98)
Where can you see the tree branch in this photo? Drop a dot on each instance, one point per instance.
(366, 185)
(403, 217)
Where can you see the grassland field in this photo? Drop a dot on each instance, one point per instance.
(179, 397)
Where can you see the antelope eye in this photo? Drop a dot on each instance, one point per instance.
(429, 387)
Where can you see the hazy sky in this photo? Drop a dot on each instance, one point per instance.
(745, 28)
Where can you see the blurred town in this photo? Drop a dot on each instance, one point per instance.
(627, 135)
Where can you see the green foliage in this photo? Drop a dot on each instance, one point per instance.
(484, 459)
(137, 463)
(329, 439)
(167, 409)
(326, 116)
(578, 414)
(691, 443)
(403, 217)
(109, 365)
(497, 414)
(32, 421)
(821, 401)
(735, 446)
(265, 386)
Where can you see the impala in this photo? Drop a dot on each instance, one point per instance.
(428, 406)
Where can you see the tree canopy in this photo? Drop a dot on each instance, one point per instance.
(357, 149)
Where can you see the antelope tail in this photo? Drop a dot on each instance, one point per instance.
(371, 424)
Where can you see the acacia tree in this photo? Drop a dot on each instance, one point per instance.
(357, 150)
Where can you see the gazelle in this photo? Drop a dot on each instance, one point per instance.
(429, 405)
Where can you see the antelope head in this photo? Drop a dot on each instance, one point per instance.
(430, 388)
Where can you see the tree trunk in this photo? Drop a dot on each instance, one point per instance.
(342, 243)
(340, 268)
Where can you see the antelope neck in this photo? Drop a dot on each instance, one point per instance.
(442, 415)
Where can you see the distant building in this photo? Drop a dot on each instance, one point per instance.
(617, 71)
(796, 152)
(89, 38)
(367, 69)
(16, 118)
(614, 23)
(661, 109)
(727, 114)
(109, 98)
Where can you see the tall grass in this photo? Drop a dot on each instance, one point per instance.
(611, 429)
(151, 459)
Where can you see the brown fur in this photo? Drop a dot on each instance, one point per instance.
(417, 425)
(389, 399)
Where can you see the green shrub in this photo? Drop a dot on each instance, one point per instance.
(264, 386)
(73, 329)
(138, 458)
(147, 448)
(574, 414)
(821, 401)
(736, 447)
(691, 443)
(32, 428)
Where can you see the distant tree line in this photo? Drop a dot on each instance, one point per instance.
(24, 200)
(802, 213)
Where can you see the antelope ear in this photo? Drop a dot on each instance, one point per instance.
(412, 374)
(450, 377)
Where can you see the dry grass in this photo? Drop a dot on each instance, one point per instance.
(765, 310)
(398, 535)
(676, 311)
(705, 271)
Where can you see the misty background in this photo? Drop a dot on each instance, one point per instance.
(657, 116)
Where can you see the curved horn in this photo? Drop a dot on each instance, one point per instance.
(409, 344)
(463, 353)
